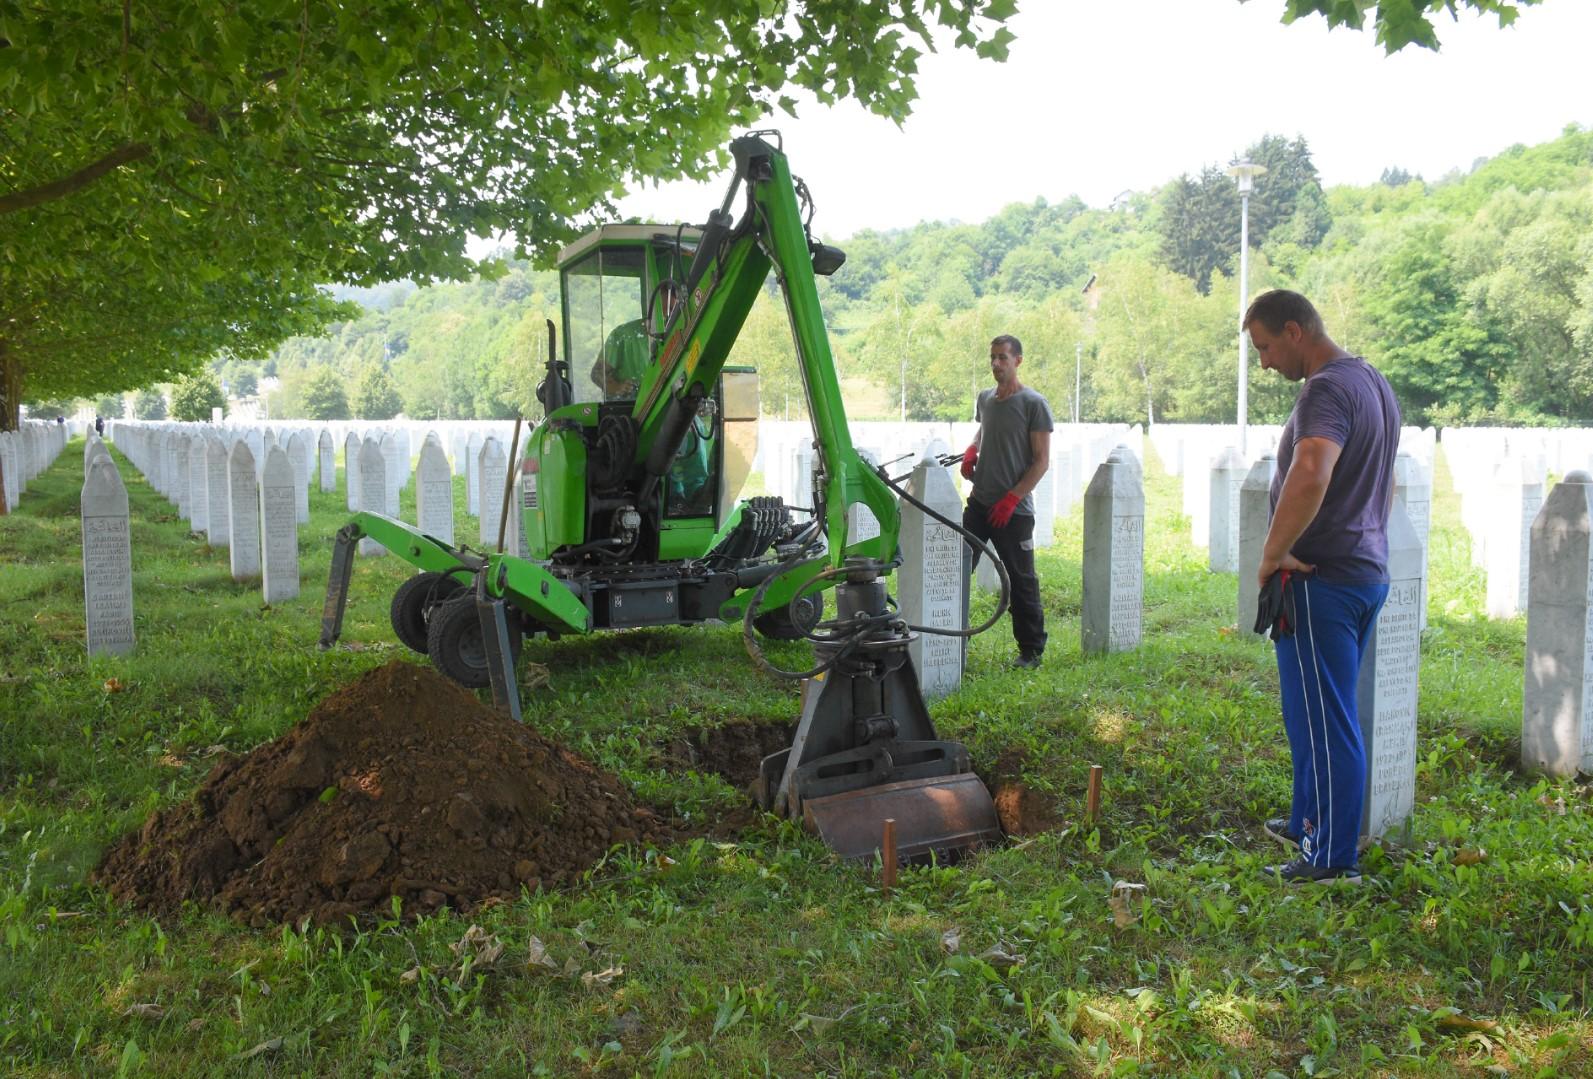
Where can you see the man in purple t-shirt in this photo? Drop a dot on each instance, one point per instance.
(1329, 540)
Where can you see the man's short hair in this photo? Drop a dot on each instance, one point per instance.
(1272, 309)
(1013, 344)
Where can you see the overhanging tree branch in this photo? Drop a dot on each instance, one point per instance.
(126, 154)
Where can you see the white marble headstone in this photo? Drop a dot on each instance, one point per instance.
(279, 530)
(491, 465)
(1255, 517)
(1227, 474)
(1385, 698)
(373, 488)
(352, 446)
(930, 585)
(1114, 557)
(1557, 700)
(107, 561)
(327, 463)
(434, 493)
(217, 512)
(299, 459)
(473, 475)
(1415, 491)
(243, 509)
(1517, 497)
(198, 484)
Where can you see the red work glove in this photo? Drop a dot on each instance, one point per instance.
(970, 457)
(1001, 512)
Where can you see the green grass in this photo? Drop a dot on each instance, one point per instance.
(765, 954)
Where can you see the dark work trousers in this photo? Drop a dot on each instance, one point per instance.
(1014, 545)
(1319, 668)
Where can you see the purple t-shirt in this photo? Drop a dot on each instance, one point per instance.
(1350, 402)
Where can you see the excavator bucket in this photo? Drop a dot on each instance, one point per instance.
(865, 750)
(935, 818)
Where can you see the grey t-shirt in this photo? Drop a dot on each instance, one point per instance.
(1004, 450)
(1347, 401)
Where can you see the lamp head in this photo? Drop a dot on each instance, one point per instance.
(1245, 172)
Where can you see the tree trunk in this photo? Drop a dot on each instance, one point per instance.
(10, 390)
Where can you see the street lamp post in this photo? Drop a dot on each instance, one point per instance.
(1245, 172)
(1078, 367)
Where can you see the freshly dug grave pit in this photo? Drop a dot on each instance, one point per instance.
(734, 751)
(399, 784)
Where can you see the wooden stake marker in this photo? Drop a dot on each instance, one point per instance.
(888, 854)
(1092, 801)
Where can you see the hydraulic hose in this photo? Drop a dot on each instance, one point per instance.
(847, 638)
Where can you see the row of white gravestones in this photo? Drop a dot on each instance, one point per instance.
(24, 453)
(1222, 544)
(1557, 695)
(107, 556)
(1413, 489)
(1255, 518)
(1517, 497)
(1114, 556)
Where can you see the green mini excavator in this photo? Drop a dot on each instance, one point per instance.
(630, 516)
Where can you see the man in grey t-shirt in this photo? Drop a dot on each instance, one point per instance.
(1007, 458)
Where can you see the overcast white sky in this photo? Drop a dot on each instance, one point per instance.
(1103, 96)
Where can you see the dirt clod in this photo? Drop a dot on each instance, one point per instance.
(400, 784)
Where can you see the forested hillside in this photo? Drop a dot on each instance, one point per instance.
(1473, 292)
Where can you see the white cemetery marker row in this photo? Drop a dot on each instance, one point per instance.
(1557, 698)
(1414, 489)
(1518, 495)
(1114, 557)
(1227, 475)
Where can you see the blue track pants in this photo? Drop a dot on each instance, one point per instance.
(1318, 669)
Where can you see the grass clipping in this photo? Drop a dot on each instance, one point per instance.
(400, 784)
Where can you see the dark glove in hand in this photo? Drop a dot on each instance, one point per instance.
(1272, 612)
(970, 457)
(1001, 512)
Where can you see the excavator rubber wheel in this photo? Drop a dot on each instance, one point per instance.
(453, 641)
(777, 624)
(412, 605)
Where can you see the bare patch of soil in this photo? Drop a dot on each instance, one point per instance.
(1021, 809)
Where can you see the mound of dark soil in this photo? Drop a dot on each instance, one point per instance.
(400, 784)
